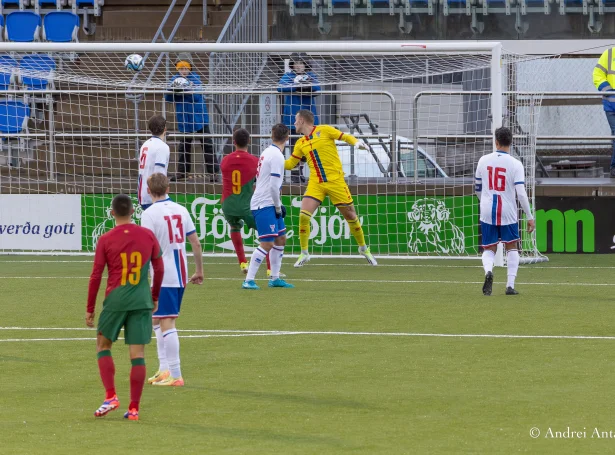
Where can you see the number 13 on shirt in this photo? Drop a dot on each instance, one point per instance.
(175, 234)
(136, 263)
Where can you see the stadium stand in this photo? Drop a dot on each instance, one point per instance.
(8, 69)
(22, 26)
(61, 27)
(43, 65)
(14, 117)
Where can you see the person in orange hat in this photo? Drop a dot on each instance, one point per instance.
(192, 118)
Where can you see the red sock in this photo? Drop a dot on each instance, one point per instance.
(268, 262)
(107, 372)
(238, 244)
(137, 381)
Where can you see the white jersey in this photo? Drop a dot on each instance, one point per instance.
(154, 157)
(497, 176)
(171, 224)
(269, 172)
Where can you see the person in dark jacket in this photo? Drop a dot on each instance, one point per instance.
(192, 118)
(300, 87)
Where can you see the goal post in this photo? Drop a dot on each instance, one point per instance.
(73, 118)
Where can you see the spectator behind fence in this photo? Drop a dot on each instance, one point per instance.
(604, 80)
(192, 118)
(300, 87)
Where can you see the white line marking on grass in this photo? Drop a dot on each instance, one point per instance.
(325, 333)
(316, 280)
(183, 336)
(381, 265)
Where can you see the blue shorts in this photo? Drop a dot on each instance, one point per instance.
(492, 234)
(268, 226)
(169, 303)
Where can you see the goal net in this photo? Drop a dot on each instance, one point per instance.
(73, 117)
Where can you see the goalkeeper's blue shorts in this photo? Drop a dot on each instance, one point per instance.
(492, 234)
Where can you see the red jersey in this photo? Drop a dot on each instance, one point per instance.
(127, 251)
(238, 177)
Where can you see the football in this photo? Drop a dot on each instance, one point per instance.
(134, 62)
(180, 83)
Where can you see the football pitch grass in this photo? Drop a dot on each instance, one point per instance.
(407, 357)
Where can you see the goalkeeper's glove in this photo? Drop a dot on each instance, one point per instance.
(361, 144)
(301, 78)
(280, 212)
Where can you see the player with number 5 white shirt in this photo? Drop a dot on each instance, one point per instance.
(153, 157)
(172, 225)
(268, 211)
(500, 182)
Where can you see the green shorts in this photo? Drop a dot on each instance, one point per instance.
(137, 325)
(239, 220)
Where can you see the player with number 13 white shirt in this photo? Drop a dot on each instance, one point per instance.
(172, 225)
(500, 181)
(153, 157)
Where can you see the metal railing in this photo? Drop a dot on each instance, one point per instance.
(52, 135)
(247, 23)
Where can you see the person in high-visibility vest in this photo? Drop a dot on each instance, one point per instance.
(604, 80)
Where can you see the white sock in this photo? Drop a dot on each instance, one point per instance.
(275, 257)
(257, 258)
(512, 261)
(162, 355)
(488, 259)
(171, 346)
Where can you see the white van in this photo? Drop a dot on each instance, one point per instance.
(375, 163)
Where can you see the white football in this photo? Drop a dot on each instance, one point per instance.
(134, 62)
(181, 82)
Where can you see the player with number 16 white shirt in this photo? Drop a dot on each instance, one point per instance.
(500, 182)
(153, 157)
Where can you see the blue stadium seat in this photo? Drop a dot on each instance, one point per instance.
(22, 26)
(61, 27)
(8, 66)
(47, 2)
(1, 27)
(10, 2)
(82, 3)
(36, 71)
(13, 116)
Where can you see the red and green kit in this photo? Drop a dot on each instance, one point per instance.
(127, 251)
(238, 176)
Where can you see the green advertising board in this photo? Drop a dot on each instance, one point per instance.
(394, 225)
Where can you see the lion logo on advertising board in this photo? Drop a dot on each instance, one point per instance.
(432, 231)
(108, 222)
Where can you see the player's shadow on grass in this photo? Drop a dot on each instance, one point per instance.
(263, 435)
(5, 358)
(299, 399)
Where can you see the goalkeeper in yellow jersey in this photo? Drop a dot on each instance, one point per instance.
(318, 148)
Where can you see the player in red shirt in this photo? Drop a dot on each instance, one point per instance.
(238, 177)
(127, 251)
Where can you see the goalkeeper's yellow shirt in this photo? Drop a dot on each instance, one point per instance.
(321, 153)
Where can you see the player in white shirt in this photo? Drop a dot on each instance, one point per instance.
(266, 206)
(172, 225)
(154, 157)
(500, 182)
